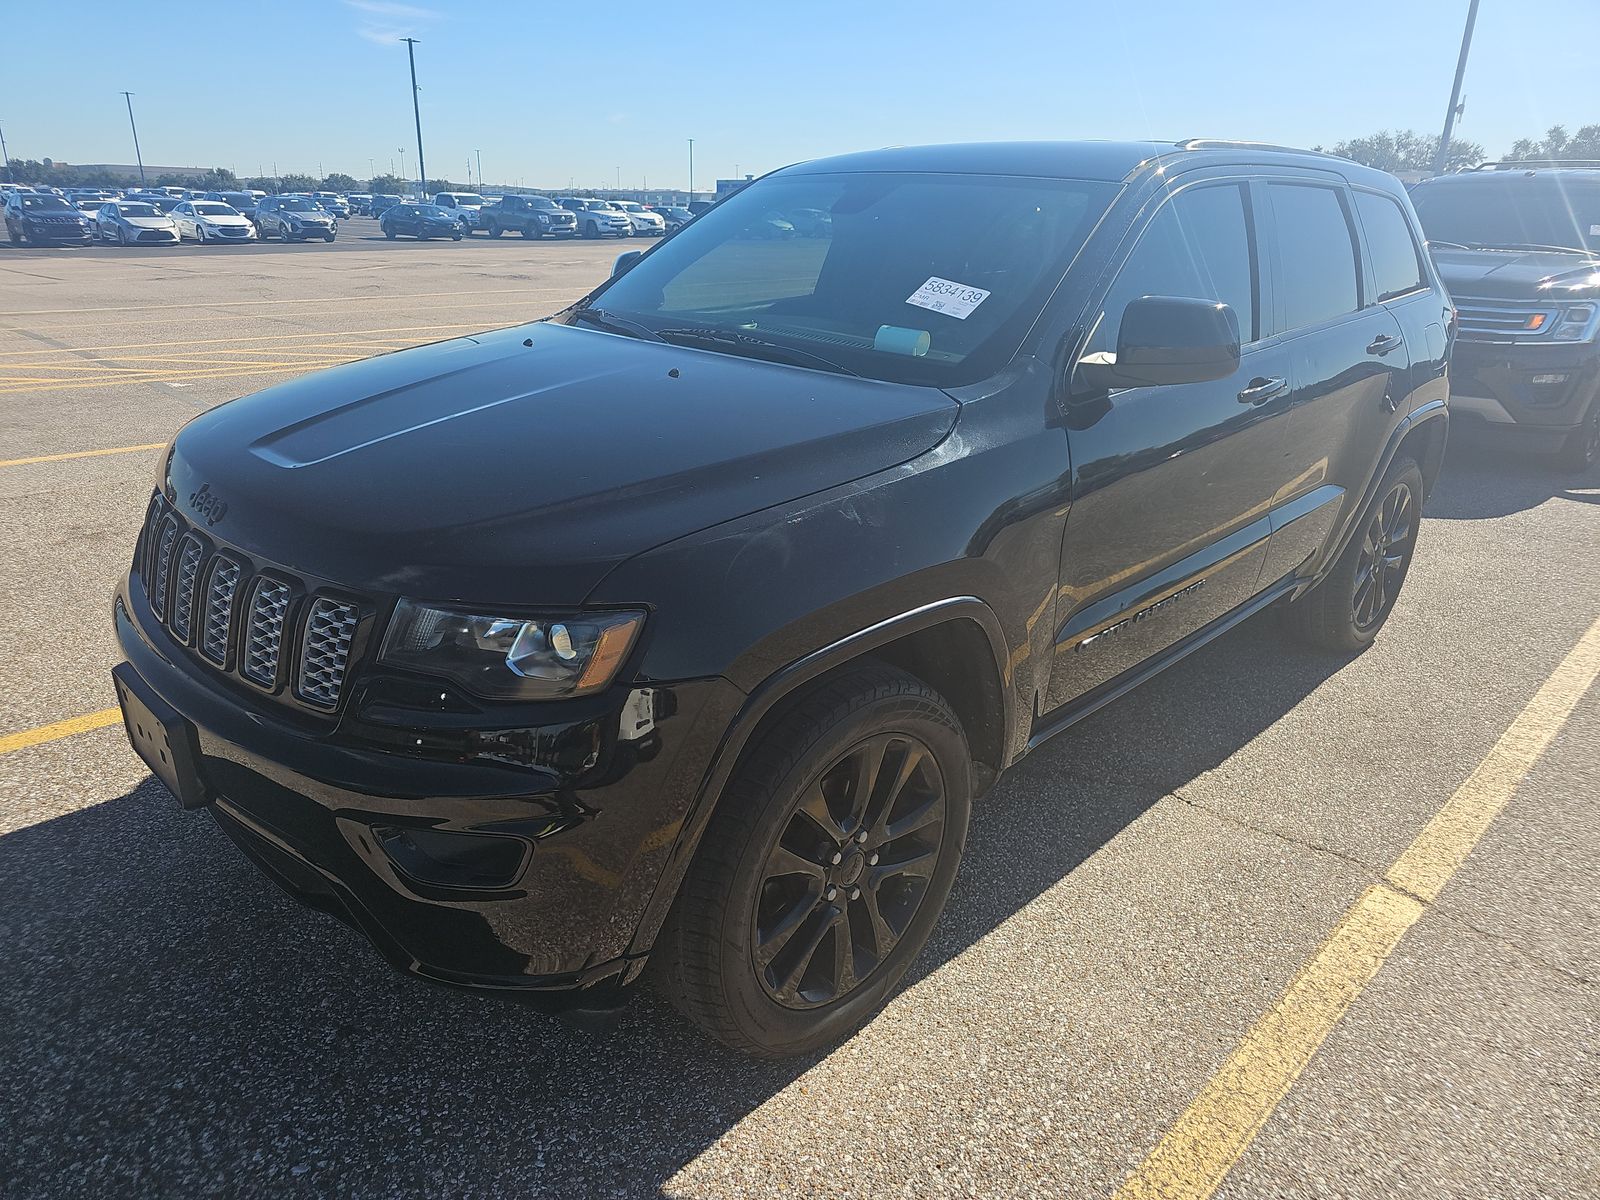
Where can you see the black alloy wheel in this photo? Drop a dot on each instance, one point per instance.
(1349, 605)
(824, 867)
(849, 871)
(1385, 551)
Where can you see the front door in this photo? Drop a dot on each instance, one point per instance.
(1172, 484)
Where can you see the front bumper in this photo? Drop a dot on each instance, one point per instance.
(1537, 393)
(69, 234)
(527, 878)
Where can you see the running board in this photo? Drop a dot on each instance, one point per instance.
(1112, 689)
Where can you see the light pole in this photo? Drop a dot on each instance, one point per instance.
(5, 156)
(137, 157)
(416, 111)
(403, 174)
(1450, 113)
(479, 153)
(691, 170)
(371, 170)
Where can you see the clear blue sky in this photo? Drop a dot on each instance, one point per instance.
(756, 84)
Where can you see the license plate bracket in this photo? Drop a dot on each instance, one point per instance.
(163, 737)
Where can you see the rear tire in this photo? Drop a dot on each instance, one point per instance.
(824, 868)
(1346, 610)
(388, 233)
(495, 230)
(1581, 450)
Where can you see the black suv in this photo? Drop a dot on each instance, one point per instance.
(685, 627)
(42, 218)
(1518, 244)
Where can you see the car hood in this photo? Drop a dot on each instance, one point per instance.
(313, 217)
(489, 470)
(227, 219)
(149, 222)
(1517, 275)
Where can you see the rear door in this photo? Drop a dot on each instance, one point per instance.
(1171, 485)
(1348, 359)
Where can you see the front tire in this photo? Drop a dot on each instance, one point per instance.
(1346, 610)
(1581, 450)
(825, 867)
(494, 230)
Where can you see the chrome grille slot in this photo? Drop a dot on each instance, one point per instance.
(161, 565)
(325, 651)
(263, 631)
(223, 585)
(190, 555)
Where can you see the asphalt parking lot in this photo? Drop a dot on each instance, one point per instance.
(1239, 872)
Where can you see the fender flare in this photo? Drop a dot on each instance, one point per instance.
(760, 702)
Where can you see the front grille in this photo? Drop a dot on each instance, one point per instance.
(1504, 320)
(242, 620)
(263, 631)
(190, 552)
(325, 651)
(220, 591)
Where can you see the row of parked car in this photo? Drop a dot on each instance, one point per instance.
(170, 215)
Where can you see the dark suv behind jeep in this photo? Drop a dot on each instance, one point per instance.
(685, 627)
(1518, 245)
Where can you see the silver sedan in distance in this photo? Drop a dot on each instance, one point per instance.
(134, 222)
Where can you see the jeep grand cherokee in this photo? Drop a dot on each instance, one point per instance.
(683, 629)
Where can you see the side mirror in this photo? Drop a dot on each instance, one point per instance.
(1167, 340)
(625, 262)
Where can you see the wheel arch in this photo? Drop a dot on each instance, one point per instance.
(954, 645)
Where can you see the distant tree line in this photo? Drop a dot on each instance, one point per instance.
(218, 179)
(1408, 150)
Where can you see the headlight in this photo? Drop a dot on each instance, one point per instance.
(511, 658)
(1577, 323)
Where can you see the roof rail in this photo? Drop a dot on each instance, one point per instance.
(1528, 164)
(1235, 144)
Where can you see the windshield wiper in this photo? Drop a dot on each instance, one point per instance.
(601, 319)
(1444, 245)
(762, 348)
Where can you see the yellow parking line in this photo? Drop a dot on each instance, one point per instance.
(124, 379)
(59, 730)
(1197, 1153)
(265, 337)
(50, 458)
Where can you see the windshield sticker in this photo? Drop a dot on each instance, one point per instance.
(948, 297)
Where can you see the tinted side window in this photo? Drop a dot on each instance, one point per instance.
(1396, 268)
(1318, 253)
(1197, 245)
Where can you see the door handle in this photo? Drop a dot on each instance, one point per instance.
(1383, 344)
(1262, 389)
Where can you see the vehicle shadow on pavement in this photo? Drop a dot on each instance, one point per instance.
(1482, 481)
(176, 1026)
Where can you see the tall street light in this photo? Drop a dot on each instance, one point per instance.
(479, 153)
(137, 157)
(1454, 110)
(5, 156)
(416, 110)
(691, 170)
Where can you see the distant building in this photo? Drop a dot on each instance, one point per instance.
(727, 187)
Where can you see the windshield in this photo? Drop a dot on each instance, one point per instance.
(542, 202)
(469, 200)
(213, 209)
(46, 203)
(89, 205)
(238, 198)
(430, 210)
(138, 210)
(628, 206)
(296, 204)
(162, 204)
(1543, 212)
(914, 278)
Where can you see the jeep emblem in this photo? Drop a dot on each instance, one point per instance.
(208, 504)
